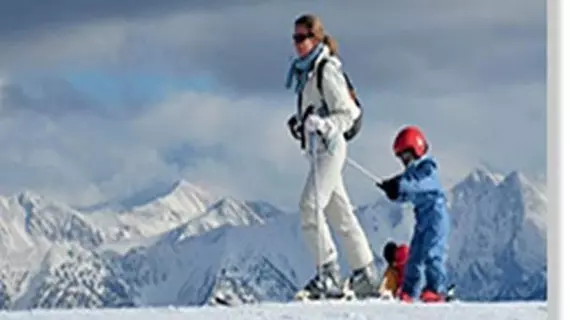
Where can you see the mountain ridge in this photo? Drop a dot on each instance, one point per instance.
(254, 252)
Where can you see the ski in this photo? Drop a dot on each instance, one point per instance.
(305, 296)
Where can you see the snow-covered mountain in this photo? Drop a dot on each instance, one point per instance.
(33, 227)
(499, 242)
(29, 221)
(152, 211)
(183, 246)
(70, 276)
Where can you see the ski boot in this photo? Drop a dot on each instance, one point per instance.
(405, 298)
(326, 285)
(428, 296)
(365, 282)
(450, 294)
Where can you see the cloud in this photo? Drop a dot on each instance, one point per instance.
(99, 102)
(24, 18)
(445, 45)
(45, 96)
(238, 147)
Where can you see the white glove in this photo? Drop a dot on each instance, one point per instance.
(315, 123)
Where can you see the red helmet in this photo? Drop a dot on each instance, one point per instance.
(410, 137)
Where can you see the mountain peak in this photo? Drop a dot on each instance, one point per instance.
(477, 182)
(161, 192)
(482, 174)
(517, 180)
(229, 207)
(186, 187)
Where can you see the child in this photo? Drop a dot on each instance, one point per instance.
(420, 185)
(396, 256)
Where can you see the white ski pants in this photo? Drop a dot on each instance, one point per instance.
(335, 207)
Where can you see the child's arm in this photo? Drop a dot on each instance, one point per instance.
(423, 179)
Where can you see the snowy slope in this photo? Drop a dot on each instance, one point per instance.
(314, 311)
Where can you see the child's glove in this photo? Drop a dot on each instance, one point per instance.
(390, 187)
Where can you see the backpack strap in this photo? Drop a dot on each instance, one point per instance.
(351, 89)
(299, 110)
(320, 68)
(357, 124)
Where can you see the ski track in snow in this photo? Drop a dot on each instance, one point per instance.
(313, 311)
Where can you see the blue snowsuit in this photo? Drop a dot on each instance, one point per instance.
(420, 185)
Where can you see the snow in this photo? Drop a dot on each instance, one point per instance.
(313, 311)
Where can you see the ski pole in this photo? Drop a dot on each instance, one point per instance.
(356, 165)
(313, 150)
(363, 170)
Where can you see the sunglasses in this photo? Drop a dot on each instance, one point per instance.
(300, 37)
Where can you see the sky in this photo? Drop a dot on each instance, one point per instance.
(101, 99)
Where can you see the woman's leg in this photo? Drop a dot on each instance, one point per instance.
(315, 229)
(344, 222)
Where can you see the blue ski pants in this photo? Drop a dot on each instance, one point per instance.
(428, 251)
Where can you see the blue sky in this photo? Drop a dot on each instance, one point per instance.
(98, 102)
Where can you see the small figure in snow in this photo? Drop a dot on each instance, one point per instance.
(324, 193)
(396, 257)
(420, 185)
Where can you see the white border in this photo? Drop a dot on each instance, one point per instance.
(558, 157)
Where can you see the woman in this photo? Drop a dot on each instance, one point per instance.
(325, 181)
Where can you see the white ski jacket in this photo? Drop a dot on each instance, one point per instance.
(342, 108)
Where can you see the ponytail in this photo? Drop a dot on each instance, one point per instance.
(331, 43)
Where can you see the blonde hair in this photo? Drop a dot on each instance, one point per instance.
(315, 26)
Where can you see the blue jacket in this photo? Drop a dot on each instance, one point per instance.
(420, 185)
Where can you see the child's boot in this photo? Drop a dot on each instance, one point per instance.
(429, 296)
(404, 297)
